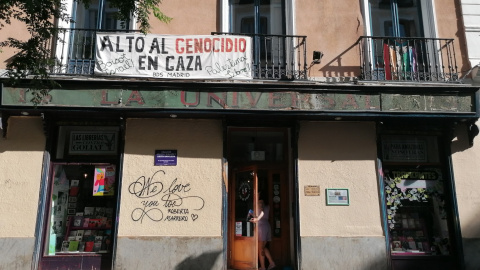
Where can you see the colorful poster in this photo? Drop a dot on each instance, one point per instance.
(104, 181)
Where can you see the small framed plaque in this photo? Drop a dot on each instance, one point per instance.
(312, 190)
(337, 196)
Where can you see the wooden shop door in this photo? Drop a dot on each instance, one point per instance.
(248, 183)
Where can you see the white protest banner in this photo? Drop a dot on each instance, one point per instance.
(173, 57)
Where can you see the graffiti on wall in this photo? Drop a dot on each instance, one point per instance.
(164, 199)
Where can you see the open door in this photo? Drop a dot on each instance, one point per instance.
(243, 232)
(258, 167)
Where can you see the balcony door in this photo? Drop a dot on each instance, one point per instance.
(75, 47)
(401, 44)
(265, 21)
(396, 18)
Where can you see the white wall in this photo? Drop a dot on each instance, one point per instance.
(339, 155)
(197, 176)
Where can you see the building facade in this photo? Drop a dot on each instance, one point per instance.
(154, 148)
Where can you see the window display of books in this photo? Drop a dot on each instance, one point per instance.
(409, 235)
(88, 241)
(80, 220)
(93, 217)
(89, 231)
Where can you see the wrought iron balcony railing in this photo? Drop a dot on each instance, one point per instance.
(407, 59)
(73, 50)
(277, 56)
(274, 56)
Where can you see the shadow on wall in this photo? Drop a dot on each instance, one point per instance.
(471, 246)
(335, 68)
(461, 142)
(203, 261)
(460, 34)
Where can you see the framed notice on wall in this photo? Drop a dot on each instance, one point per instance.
(337, 196)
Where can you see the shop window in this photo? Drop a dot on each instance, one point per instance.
(415, 196)
(82, 208)
(82, 198)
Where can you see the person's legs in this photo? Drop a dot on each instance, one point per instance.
(271, 263)
(261, 253)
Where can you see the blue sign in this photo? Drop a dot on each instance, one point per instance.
(165, 157)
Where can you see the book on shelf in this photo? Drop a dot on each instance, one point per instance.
(412, 245)
(65, 245)
(99, 238)
(411, 223)
(71, 238)
(86, 221)
(99, 212)
(94, 223)
(397, 245)
(405, 223)
(89, 238)
(97, 246)
(80, 233)
(103, 222)
(74, 191)
(73, 246)
(106, 242)
(89, 246)
(78, 221)
(89, 211)
(81, 246)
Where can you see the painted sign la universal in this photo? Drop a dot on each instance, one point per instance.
(173, 57)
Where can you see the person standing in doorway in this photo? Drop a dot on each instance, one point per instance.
(264, 233)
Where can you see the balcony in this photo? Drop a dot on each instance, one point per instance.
(73, 51)
(407, 59)
(275, 57)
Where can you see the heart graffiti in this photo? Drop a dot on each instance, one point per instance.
(194, 217)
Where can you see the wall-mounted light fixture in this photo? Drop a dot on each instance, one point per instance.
(317, 57)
